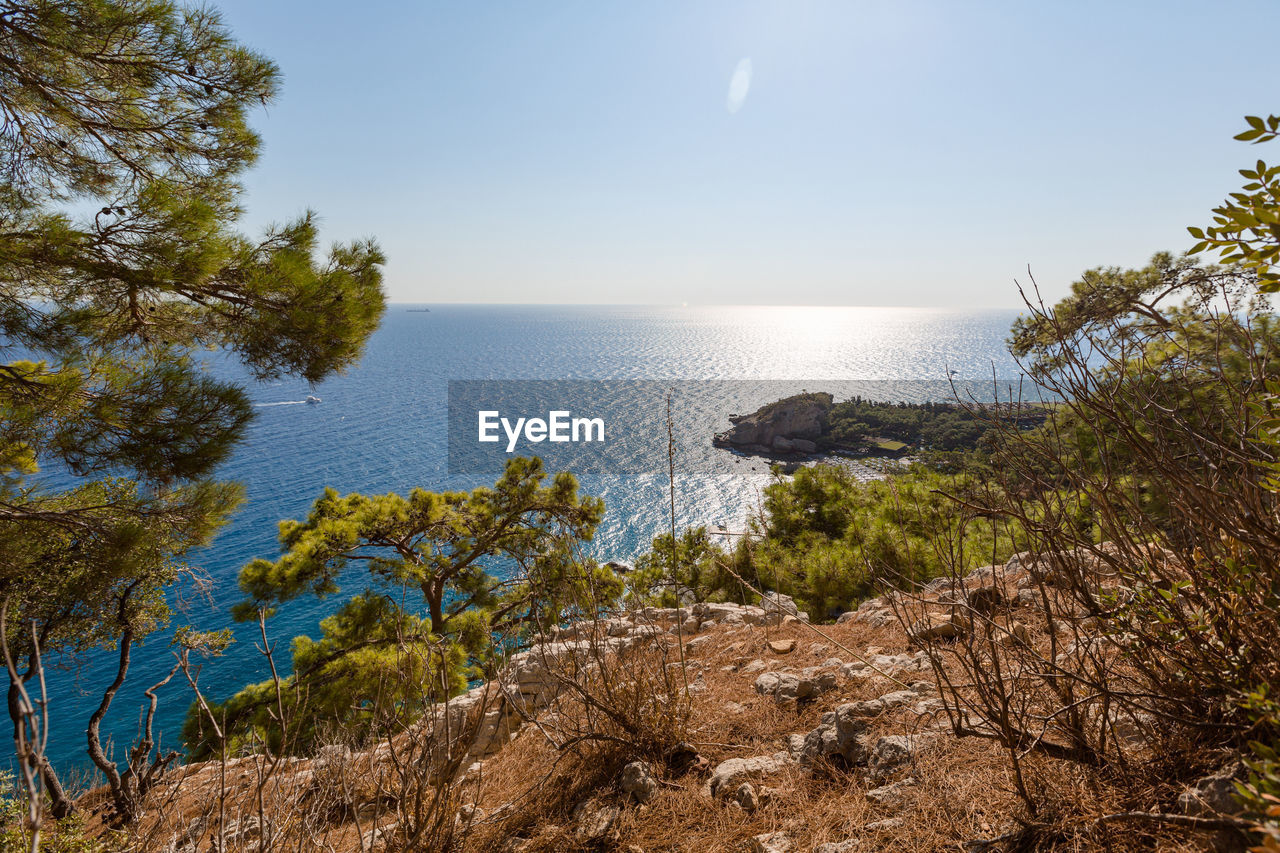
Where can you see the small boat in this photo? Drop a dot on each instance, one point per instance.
(311, 398)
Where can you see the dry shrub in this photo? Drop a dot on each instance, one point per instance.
(1151, 593)
(607, 702)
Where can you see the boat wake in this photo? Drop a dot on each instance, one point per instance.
(285, 403)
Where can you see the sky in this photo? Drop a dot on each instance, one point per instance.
(804, 153)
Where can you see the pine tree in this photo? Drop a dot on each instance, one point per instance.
(500, 561)
(123, 137)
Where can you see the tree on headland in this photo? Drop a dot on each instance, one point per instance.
(447, 572)
(123, 136)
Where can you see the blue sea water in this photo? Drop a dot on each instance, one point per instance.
(382, 427)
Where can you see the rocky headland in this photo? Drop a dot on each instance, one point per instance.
(789, 426)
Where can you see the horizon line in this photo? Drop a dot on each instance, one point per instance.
(699, 305)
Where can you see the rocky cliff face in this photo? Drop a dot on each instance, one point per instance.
(791, 425)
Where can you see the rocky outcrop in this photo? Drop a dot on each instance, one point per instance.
(728, 775)
(840, 735)
(791, 425)
(785, 687)
(638, 781)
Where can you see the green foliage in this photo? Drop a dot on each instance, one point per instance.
(1246, 227)
(375, 666)
(501, 560)
(67, 835)
(937, 426)
(82, 586)
(830, 540)
(693, 570)
(123, 138)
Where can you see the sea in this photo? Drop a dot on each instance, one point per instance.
(383, 426)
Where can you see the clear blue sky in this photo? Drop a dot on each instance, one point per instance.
(884, 153)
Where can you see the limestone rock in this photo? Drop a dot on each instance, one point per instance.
(780, 606)
(891, 753)
(801, 416)
(1212, 795)
(939, 626)
(792, 687)
(773, 842)
(890, 795)
(732, 773)
(698, 643)
(839, 733)
(745, 797)
(595, 821)
(782, 647)
(638, 781)
(848, 846)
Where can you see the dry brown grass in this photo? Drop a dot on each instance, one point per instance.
(531, 789)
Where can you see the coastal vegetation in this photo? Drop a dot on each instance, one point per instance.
(125, 137)
(1083, 597)
(449, 573)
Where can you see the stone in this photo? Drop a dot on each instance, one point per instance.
(1212, 795)
(853, 669)
(848, 846)
(744, 796)
(782, 647)
(470, 813)
(943, 584)
(984, 600)
(886, 824)
(876, 618)
(838, 735)
(756, 665)
(773, 842)
(891, 753)
(730, 774)
(638, 781)
(938, 626)
(779, 606)
(984, 574)
(800, 416)
(793, 687)
(890, 795)
(698, 643)
(594, 821)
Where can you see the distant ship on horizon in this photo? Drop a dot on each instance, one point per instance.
(419, 310)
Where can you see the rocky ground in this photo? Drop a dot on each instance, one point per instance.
(798, 737)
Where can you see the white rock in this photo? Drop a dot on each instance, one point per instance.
(638, 781)
(730, 774)
(773, 842)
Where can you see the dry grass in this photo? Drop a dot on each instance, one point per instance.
(531, 790)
